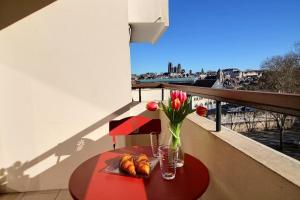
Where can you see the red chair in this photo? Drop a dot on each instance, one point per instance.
(134, 125)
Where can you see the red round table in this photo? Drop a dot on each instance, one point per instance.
(90, 182)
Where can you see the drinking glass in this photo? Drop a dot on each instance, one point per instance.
(167, 161)
(154, 137)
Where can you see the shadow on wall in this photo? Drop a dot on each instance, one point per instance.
(12, 11)
(68, 154)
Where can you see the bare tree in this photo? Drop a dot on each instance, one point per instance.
(250, 120)
(280, 121)
(282, 74)
(233, 117)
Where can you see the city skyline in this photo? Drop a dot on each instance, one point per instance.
(174, 69)
(213, 35)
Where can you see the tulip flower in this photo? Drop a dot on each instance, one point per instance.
(182, 97)
(174, 94)
(201, 111)
(176, 104)
(152, 106)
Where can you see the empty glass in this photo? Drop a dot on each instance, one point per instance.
(154, 137)
(167, 161)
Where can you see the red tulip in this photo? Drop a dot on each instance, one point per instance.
(176, 104)
(152, 106)
(182, 97)
(201, 111)
(174, 94)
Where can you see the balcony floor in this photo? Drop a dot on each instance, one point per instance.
(42, 195)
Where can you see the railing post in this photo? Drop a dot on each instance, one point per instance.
(162, 94)
(140, 95)
(218, 115)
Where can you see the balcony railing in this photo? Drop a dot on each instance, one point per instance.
(275, 102)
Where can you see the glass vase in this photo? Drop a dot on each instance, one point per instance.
(175, 142)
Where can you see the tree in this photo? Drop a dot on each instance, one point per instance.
(281, 74)
(250, 120)
(280, 121)
(234, 119)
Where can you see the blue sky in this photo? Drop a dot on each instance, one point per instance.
(221, 33)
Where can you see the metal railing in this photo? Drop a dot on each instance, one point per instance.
(275, 102)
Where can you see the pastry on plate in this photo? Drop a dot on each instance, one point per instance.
(142, 164)
(127, 164)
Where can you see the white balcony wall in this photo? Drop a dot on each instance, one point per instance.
(148, 19)
(64, 72)
(141, 11)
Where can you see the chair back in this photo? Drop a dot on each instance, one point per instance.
(134, 125)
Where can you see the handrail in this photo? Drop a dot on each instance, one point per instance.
(146, 85)
(275, 102)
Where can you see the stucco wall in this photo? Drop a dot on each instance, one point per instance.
(64, 73)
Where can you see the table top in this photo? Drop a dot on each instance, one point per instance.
(90, 182)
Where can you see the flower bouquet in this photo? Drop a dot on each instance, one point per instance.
(178, 107)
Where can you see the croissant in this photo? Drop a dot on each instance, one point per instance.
(127, 165)
(142, 165)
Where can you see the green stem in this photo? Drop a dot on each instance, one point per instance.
(175, 134)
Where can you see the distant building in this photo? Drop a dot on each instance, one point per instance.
(174, 69)
(205, 83)
(211, 73)
(190, 72)
(212, 81)
(170, 68)
(232, 73)
(179, 68)
(209, 82)
(252, 73)
(202, 71)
